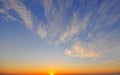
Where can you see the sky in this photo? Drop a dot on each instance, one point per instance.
(59, 36)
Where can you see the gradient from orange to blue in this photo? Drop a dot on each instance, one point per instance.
(59, 36)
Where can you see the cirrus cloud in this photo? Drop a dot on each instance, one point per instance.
(92, 22)
(20, 9)
(78, 51)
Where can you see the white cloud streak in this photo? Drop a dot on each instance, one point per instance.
(21, 10)
(78, 51)
(91, 23)
(95, 24)
(42, 31)
(114, 61)
(74, 27)
(54, 18)
(102, 42)
(7, 16)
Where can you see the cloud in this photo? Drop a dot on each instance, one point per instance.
(104, 17)
(78, 51)
(70, 30)
(21, 10)
(75, 26)
(1, 10)
(114, 61)
(6, 16)
(42, 31)
(93, 23)
(55, 17)
(96, 40)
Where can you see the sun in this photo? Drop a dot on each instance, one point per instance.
(51, 73)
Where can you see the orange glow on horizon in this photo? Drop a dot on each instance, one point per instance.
(62, 70)
(51, 73)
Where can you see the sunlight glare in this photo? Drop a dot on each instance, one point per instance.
(51, 74)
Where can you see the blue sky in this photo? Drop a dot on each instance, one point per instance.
(60, 30)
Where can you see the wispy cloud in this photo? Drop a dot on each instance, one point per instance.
(7, 16)
(71, 30)
(42, 31)
(55, 17)
(104, 17)
(93, 23)
(113, 61)
(96, 32)
(75, 26)
(21, 10)
(78, 51)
